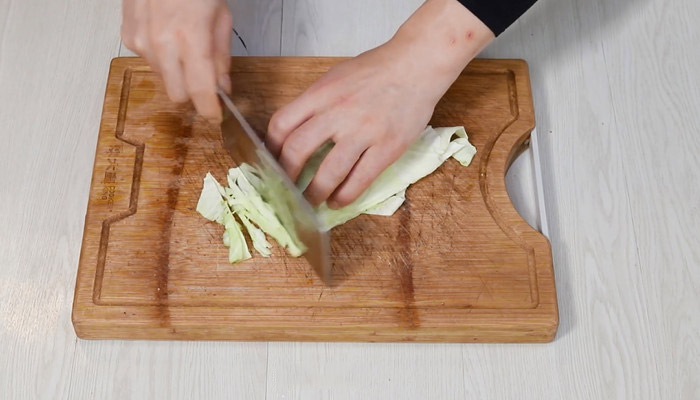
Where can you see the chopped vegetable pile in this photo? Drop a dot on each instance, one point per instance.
(242, 200)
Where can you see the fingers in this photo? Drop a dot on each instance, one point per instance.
(333, 170)
(200, 72)
(370, 165)
(222, 47)
(287, 119)
(188, 43)
(135, 30)
(302, 143)
(168, 57)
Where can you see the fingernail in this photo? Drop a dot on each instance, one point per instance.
(333, 205)
(225, 83)
(309, 197)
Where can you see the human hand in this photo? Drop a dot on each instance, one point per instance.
(187, 42)
(374, 106)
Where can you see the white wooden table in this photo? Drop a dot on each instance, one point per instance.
(617, 94)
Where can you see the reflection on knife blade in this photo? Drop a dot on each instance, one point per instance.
(294, 212)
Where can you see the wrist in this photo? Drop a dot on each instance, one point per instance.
(438, 41)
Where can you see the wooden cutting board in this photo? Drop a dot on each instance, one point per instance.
(455, 264)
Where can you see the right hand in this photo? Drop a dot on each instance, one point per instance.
(188, 43)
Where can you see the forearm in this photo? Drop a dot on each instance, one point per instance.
(439, 40)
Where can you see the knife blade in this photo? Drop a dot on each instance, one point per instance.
(294, 211)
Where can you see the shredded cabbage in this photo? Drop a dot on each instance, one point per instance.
(237, 246)
(212, 206)
(249, 200)
(387, 192)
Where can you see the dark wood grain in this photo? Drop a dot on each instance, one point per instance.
(456, 263)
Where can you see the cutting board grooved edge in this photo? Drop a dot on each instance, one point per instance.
(135, 184)
(485, 179)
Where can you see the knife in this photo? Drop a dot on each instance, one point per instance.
(294, 211)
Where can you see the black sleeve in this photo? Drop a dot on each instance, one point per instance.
(498, 14)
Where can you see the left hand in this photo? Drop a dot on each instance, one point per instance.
(369, 106)
(374, 106)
